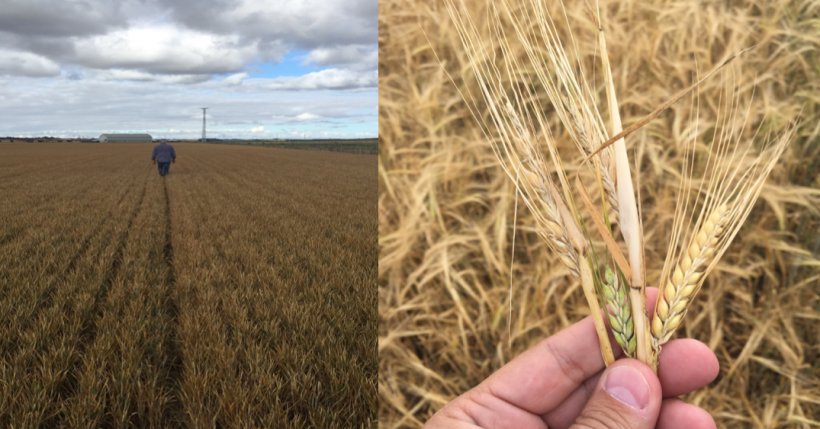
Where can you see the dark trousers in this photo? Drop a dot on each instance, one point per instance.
(163, 168)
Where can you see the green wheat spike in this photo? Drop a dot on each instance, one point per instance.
(619, 312)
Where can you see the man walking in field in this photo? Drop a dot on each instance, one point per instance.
(163, 156)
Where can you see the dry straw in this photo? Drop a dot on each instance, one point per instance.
(448, 318)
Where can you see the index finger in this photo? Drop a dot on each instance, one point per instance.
(539, 379)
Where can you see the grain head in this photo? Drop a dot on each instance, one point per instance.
(729, 186)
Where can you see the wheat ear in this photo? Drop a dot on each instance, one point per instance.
(687, 276)
(619, 312)
(730, 184)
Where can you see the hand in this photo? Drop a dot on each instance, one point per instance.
(173, 161)
(559, 383)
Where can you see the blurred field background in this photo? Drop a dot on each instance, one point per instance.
(447, 317)
(235, 292)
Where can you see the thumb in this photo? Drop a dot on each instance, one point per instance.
(628, 395)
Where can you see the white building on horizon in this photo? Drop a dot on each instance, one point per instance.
(125, 138)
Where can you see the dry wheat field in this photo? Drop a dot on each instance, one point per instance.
(235, 292)
(465, 281)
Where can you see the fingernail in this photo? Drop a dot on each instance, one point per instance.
(628, 385)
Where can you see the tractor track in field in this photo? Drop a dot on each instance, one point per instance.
(88, 331)
(174, 411)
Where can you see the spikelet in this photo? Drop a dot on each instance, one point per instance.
(610, 190)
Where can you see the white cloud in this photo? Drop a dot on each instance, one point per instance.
(140, 76)
(258, 130)
(236, 78)
(96, 104)
(326, 79)
(359, 56)
(164, 48)
(26, 64)
(302, 117)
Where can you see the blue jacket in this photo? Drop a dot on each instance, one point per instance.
(163, 152)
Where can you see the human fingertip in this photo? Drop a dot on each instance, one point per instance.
(686, 352)
(628, 385)
(676, 414)
(628, 396)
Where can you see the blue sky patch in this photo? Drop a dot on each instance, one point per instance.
(294, 63)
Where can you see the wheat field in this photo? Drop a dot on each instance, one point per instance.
(235, 292)
(457, 299)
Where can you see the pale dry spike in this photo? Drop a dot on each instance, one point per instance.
(516, 121)
(552, 229)
(619, 312)
(678, 291)
(516, 149)
(605, 168)
(569, 93)
(518, 157)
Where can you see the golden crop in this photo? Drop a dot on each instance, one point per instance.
(237, 291)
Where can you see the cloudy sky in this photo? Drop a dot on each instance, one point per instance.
(266, 68)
